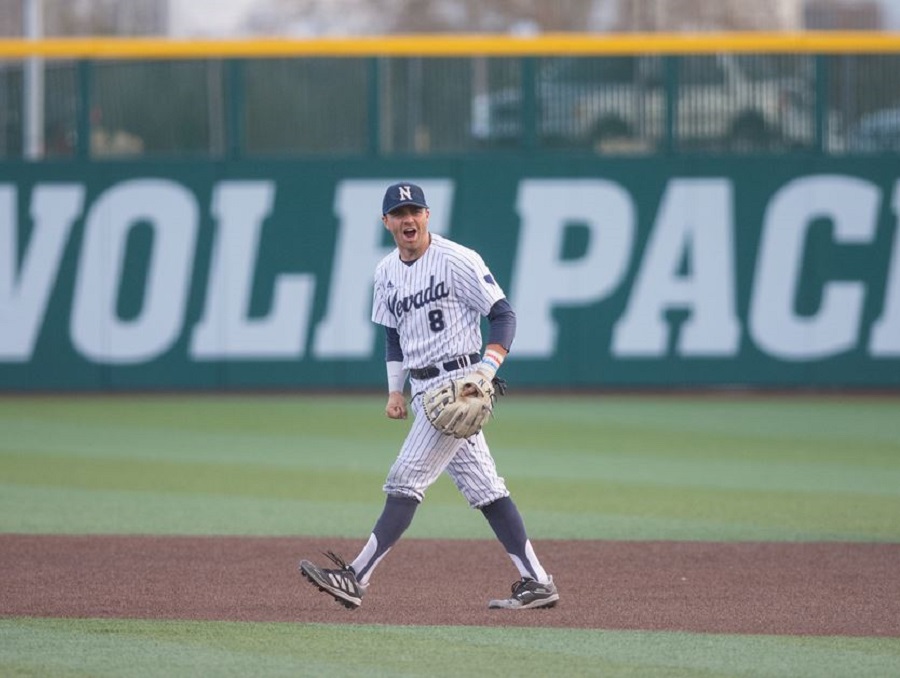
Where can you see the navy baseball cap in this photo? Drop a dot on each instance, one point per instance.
(401, 194)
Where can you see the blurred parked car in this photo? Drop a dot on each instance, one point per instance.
(876, 132)
(725, 101)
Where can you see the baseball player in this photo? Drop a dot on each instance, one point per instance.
(430, 294)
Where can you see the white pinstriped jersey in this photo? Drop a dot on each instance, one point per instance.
(435, 303)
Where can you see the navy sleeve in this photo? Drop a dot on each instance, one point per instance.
(503, 324)
(392, 350)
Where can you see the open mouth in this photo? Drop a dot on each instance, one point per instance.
(409, 233)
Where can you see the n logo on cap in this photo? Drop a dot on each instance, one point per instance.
(405, 193)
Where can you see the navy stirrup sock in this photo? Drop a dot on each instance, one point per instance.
(507, 523)
(394, 519)
(396, 516)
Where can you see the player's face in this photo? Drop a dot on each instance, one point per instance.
(409, 226)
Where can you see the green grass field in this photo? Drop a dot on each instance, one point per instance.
(701, 468)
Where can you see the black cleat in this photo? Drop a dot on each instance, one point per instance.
(528, 593)
(340, 584)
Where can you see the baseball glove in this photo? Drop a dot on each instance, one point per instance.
(462, 416)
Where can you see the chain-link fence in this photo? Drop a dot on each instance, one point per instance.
(622, 105)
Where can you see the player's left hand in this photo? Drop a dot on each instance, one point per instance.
(462, 407)
(472, 388)
(396, 406)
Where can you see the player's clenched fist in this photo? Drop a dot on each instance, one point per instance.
(396, 406)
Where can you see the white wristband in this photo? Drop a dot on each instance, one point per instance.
(490, 363)
(396, 376)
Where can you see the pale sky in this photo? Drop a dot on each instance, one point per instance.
(892, 13)
(207, 17)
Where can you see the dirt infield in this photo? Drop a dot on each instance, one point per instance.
(849, 589)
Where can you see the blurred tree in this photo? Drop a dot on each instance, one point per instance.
(323, 17)
(363, 17)
(105, 17)
(426, 16)
(10, 19)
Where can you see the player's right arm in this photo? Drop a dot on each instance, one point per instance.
(396, 375)
(393, 353)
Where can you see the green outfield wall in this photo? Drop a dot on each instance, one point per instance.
(663, 272)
